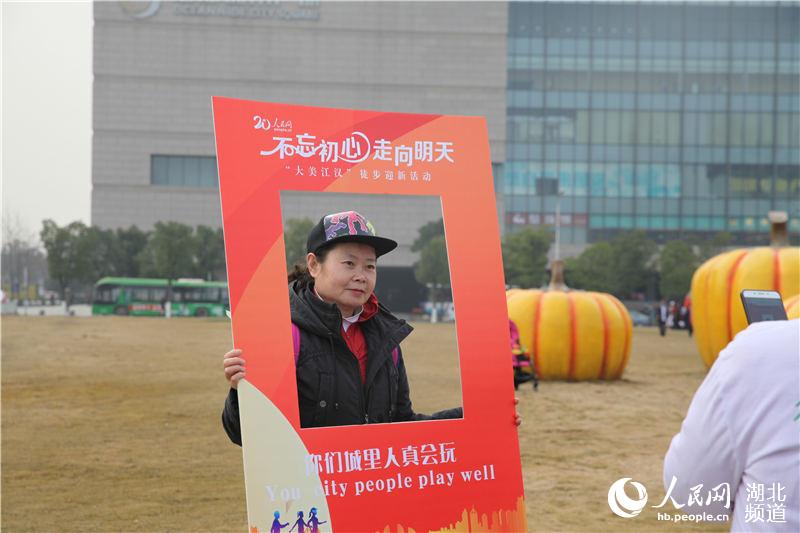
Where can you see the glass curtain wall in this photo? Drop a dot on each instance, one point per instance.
(672, 118)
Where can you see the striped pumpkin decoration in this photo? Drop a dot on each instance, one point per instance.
(717, 312)
(792, 306)
(572, 335)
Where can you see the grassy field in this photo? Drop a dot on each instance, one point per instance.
(112, 424)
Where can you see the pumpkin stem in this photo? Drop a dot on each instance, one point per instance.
(778, 236)
(557, 276)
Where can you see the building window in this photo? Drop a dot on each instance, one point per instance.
(497, 173)
(183, 171)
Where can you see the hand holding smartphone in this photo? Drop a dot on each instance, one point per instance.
(760, 306)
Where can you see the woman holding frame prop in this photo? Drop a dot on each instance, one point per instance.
(350, 368)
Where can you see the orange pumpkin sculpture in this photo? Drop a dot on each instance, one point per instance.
(572, 335)
(717, 312)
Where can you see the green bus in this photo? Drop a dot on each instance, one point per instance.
(147, 297)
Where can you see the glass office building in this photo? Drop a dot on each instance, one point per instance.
(678, 119)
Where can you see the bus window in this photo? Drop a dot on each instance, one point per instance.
(139, 294)
(106, 294)
(211, 294)
(158, 295)
(195, 295)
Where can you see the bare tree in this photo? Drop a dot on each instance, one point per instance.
(22, 262)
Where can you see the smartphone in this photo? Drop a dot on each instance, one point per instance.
(760, 306)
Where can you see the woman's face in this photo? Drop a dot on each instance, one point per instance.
(346, 277)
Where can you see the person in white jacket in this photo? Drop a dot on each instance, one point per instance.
(743, 429)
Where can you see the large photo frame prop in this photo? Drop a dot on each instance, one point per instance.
(443, 475)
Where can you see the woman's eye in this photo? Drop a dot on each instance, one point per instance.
(371, 267)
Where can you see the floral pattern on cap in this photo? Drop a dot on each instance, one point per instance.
(347, 223)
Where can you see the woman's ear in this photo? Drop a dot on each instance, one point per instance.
(313, 265)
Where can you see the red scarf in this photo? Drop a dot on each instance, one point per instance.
(354, 337)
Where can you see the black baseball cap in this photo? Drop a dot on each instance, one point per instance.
(347, 226)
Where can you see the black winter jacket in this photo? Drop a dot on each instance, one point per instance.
(329, 388)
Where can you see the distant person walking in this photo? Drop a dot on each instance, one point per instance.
(672, 315)
(662, 314)
(687, 305)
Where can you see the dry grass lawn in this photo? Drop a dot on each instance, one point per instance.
(112, 424)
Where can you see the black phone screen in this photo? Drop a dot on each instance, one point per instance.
(763, 309)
